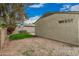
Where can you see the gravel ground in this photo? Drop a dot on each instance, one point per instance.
(39, 47)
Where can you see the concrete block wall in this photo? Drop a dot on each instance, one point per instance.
(49, 27)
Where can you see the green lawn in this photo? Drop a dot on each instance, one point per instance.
(20, 36)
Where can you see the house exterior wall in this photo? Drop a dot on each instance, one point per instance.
(62, 27)
(29, 29)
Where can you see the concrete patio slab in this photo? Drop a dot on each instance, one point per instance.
(37, 46)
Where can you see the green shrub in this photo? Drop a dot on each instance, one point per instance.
(10, 29)
(23, 31)
(2, 25)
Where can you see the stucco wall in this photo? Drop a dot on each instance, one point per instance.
(29, 29)
(50, 27)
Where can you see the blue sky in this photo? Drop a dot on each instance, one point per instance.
(37, 10)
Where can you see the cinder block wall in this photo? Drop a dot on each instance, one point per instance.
(49, 27)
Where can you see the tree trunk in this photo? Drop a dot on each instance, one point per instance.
(3, 37)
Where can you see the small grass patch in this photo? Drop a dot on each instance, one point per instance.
(20, 36)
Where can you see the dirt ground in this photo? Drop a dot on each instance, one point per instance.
(39, 47)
